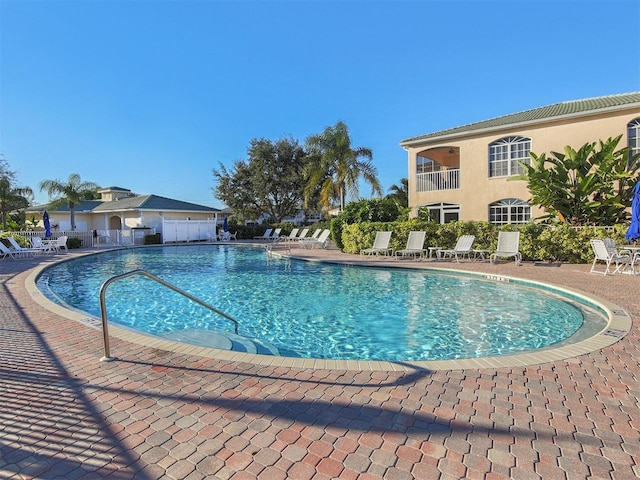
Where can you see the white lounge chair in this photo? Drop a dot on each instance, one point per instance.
(380, 245)
(322, 240)
(316, 233)
(6, 252)
(463, 248)
(289, 238)
(508, 246)
(415, 245)
(22, 251)
(303, 234)
(275, 235)
(605, 252)
(265, 236)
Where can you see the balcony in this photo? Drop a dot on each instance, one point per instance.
(442, 180)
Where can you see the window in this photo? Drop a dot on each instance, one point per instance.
(443, 212)
(426, 165)
(633, 134)
(506, 154)
(509, 210)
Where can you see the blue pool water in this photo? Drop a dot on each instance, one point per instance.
(315, 310)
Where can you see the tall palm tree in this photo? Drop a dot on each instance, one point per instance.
(335, 167)
(12, 198)
(400, 193)
(72, 192)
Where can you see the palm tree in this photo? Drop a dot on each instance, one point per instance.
(335, 168)
(12, 198)
(400, 193)
(72, 192)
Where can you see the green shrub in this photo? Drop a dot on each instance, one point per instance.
(74, 242)
(153, 239)
(560, 243)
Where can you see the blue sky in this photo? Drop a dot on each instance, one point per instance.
(152, 95)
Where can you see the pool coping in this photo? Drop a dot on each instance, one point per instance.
(618, 326)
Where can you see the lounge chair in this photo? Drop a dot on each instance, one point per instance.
(415, 245)
(605, 252)
(275, 235)
(303, 234)
(6, 252)
(22, 251)
(265, 236)
(380, 245)
(322, 240)
(316, 233)
(508, 246)
(289, 238)
(463, 248)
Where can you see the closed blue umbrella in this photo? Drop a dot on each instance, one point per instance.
(633, 232)
(47, 225)
(225, 225)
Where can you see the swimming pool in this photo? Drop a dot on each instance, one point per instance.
(314, 310)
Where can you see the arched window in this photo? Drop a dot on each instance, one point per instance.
(509, 210)
(506, 154)
(633, 135)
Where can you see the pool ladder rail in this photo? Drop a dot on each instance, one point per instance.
(103, 306)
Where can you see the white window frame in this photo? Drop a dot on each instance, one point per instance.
(633, 136)
(506, 154)
(443, 210)
(509, 211)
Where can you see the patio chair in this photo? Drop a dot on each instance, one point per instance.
(414, 247)
(463, 248)
(380, 245)
(275, 235)
(508, 246)
(303, 234)
(60, 243)
(265, 235)
(322, 240)
(20, 250)
(289, 238)
(6, 252)
(609, 255)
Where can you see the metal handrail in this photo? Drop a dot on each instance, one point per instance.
(103, 305)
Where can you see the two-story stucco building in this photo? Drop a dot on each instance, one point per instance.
(463, 173)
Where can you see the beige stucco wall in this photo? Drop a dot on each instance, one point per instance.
(477, 190)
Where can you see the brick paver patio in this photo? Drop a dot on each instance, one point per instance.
(158, 414)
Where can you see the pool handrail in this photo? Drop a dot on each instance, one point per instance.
(103, 306)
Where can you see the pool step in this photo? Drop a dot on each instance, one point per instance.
(251, 345)
(223, 341)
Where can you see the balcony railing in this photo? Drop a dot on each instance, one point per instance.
(442, 180)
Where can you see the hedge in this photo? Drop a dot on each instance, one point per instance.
(561, 243)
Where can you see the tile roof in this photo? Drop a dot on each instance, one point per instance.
(572, 108)
(151, 202)
(139, 202)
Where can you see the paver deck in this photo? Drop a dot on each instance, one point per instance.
(155, 413)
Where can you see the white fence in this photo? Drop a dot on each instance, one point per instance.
(188, 230)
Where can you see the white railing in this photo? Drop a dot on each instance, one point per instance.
(95, 238)
(442, 180)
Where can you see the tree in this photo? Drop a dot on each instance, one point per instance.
(588, 186)
(11, 197)
(71, 193)
(270, 182)
(400, 193)
(336, 168)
